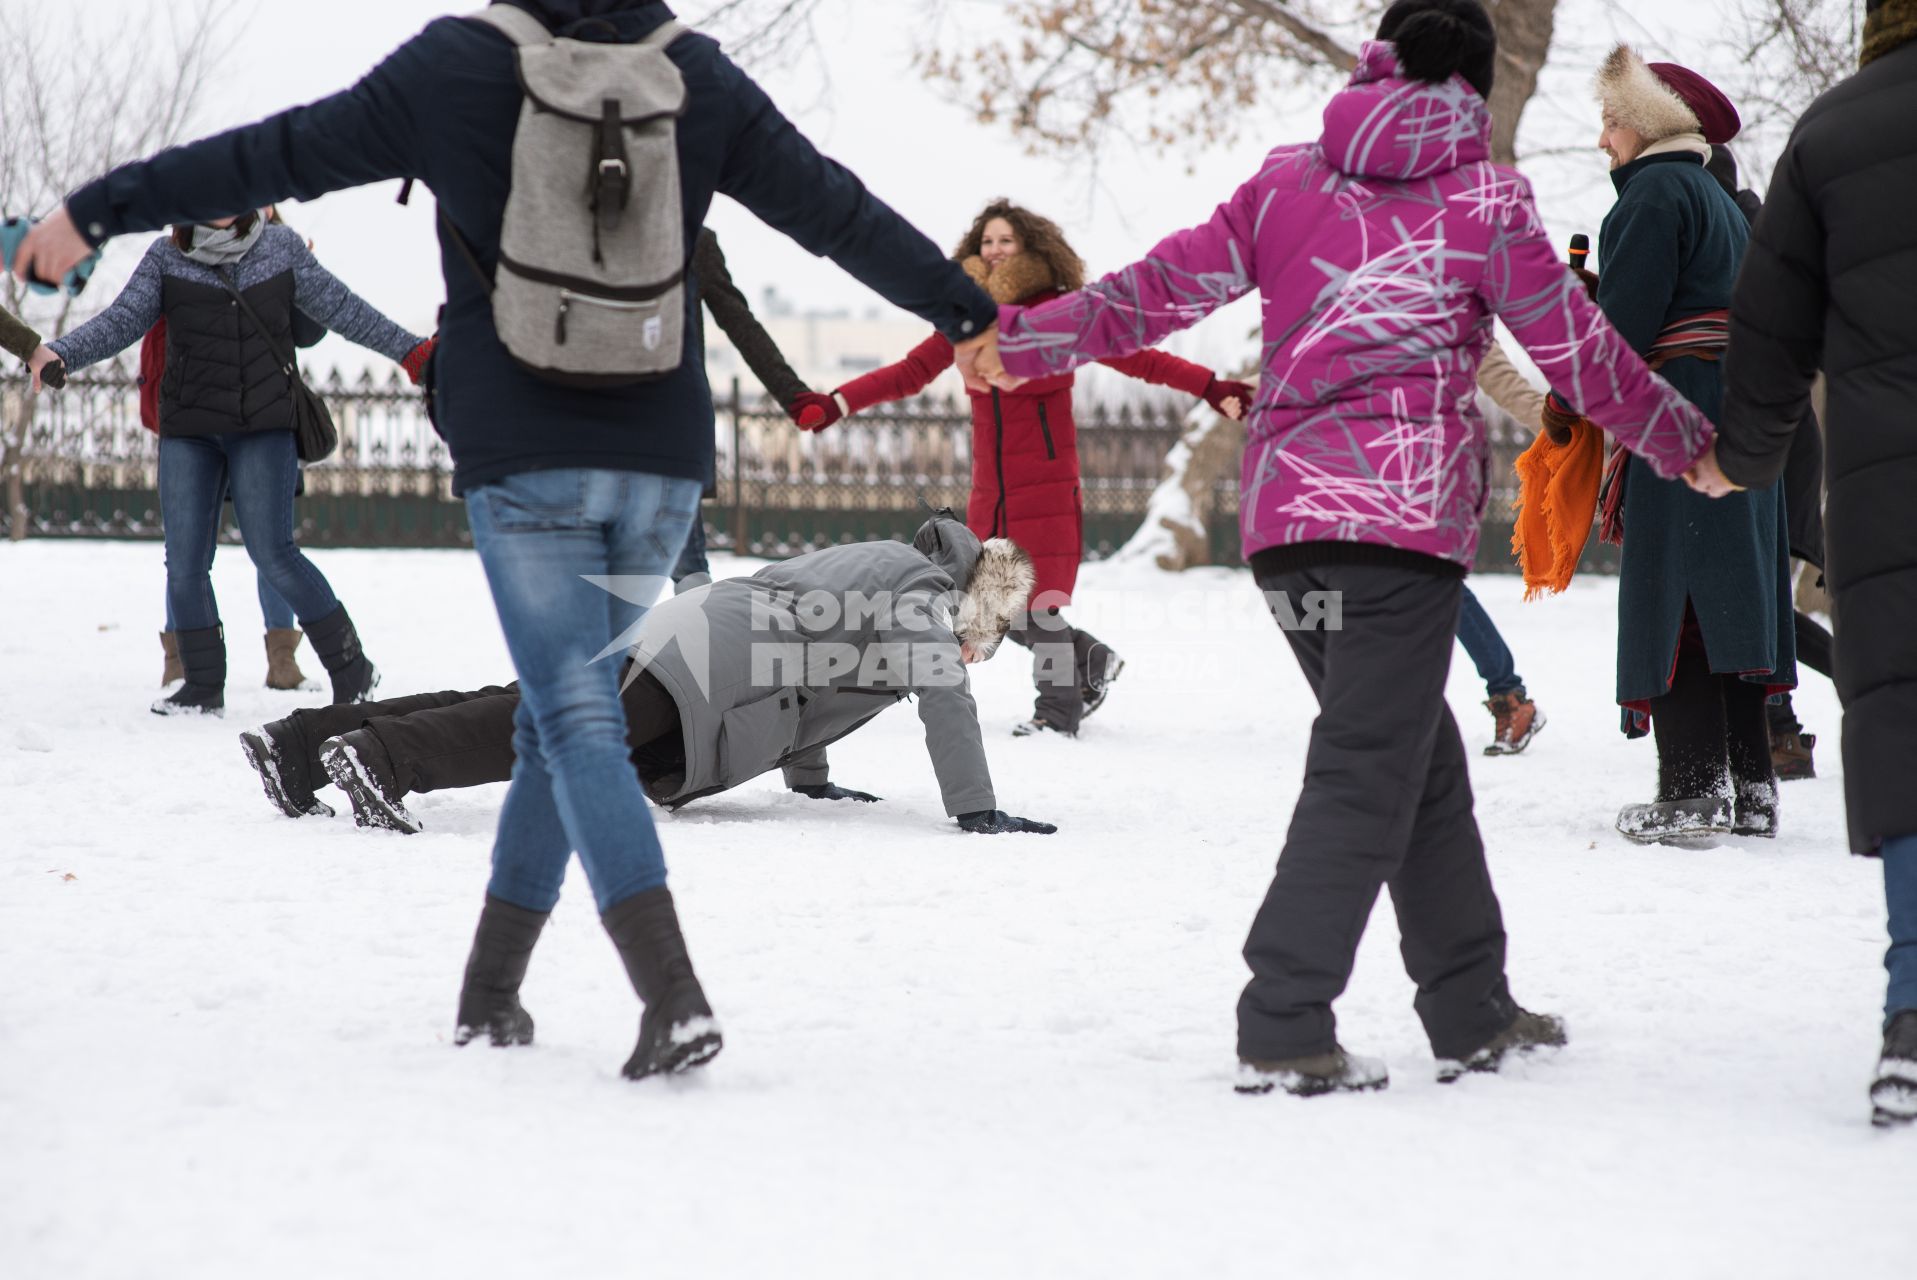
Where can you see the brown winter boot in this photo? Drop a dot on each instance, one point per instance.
(1518, 721)
(1791, 756)
(172, 672)
(282, 668)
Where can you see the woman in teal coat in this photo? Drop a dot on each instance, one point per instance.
(1704, 612)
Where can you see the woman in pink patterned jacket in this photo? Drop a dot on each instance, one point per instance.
(1381, 253)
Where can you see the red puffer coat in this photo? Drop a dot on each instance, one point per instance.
(1024, 452)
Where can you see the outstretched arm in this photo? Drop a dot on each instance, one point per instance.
(1185, 278)
(1589, 363)
(897, 381)
(123, 323)
(733, 314)
(320, 295)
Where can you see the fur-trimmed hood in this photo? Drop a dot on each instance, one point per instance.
(996, 577)
(1019, 277)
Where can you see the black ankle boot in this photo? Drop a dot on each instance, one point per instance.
(489, 998)
(277, 752)
(677, 1031)
(203, 657)
(337, 643)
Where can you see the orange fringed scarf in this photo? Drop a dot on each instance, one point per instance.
(1557, 498)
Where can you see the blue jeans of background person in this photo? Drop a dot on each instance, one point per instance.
(273, 607)
(261, 468)
(540, 534)
(693, 559)
(1900, 895)
(1489, 654)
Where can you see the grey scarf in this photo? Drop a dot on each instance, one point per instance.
(218, 246)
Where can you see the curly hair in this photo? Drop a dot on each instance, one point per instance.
(1037, 236)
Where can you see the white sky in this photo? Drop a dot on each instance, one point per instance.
(921, 153)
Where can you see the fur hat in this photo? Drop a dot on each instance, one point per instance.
(996, 595)
(1661, 99)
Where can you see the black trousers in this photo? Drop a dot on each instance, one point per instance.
(1386, 802)
(1712, 731)
(1061, 665)
(439, 741)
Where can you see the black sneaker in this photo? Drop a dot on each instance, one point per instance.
(1312, 1075)
(1893, 1093)
(273, 751)
(1527, 1033)
(358, 765)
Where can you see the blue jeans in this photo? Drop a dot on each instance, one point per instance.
(1489, 654)
(1900, 895)
(273, 607)
(262, 469)
(538, 535)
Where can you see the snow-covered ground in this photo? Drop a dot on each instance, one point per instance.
(225, 1036)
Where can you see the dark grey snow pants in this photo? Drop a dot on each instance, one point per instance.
(1386, 802)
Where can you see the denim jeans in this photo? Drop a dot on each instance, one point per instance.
(1489, 654)
(539, 535)
(261, 468)
(1900, 895)
(277, 614)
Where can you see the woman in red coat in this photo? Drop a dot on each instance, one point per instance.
(1025, 451)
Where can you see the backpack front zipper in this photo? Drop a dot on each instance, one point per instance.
(567, 297)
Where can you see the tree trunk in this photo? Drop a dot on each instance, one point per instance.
(17, 419)
(1524, 41)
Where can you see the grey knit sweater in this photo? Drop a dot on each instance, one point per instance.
(317, 292)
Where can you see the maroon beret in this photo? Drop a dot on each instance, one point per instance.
(1706, 101)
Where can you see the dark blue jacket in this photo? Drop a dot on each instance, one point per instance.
(443, 108)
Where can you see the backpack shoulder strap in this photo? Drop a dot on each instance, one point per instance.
(665, 33)
(518, 26)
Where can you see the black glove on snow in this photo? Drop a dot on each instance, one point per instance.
(994, 822)
(830, 791)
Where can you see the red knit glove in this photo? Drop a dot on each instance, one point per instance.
(814, 410)
(415, 361)
(1217, 392)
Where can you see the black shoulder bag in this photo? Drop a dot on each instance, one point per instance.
(313, 432)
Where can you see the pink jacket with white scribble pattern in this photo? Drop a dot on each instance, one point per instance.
(1381, 253)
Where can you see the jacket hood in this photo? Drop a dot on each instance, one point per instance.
(1382, 125)
(996, 577)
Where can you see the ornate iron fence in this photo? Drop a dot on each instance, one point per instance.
(88, 469)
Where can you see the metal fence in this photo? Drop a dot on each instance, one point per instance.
(89, 469)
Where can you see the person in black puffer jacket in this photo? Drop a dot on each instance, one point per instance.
(1827, 284)
(226, 422)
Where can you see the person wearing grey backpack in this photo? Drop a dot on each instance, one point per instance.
(574, 147)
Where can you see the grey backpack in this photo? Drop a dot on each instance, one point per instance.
(590, 289)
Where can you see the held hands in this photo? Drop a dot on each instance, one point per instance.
(47, 368)
(415, 360)
(832, 791)
(51, 249)
(815, 411)
(995, 822)
(1558, 418)
(1232, 399)
(1708, 478)
(980, 366)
